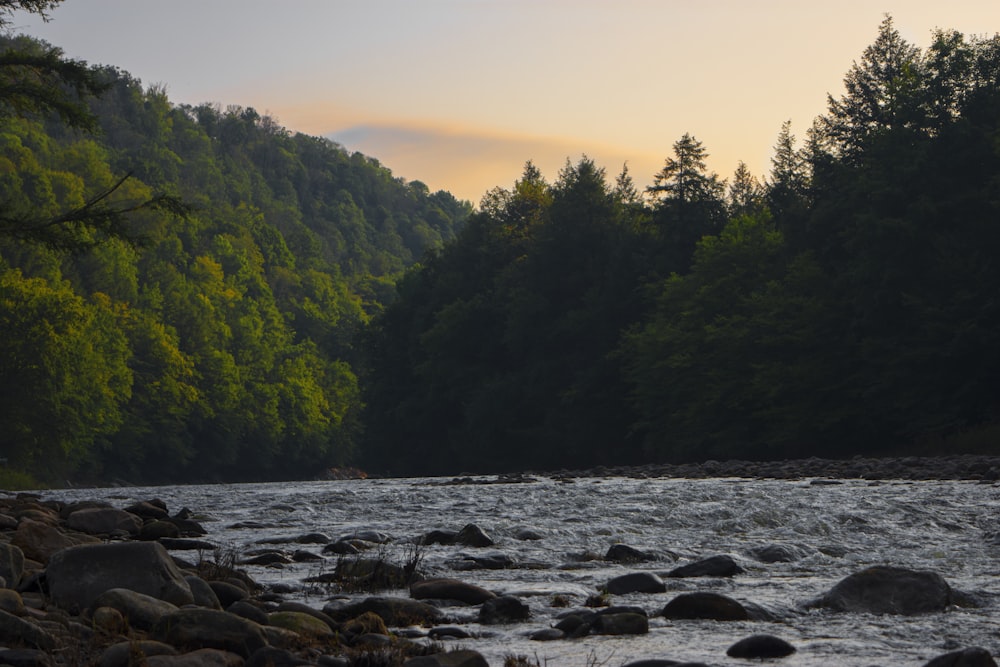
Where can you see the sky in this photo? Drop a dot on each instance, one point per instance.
(460, 94)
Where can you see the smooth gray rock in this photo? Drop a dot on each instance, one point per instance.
(141, 611)
(25, 657)
(450, 589)
(122, 654)
(636, 582)
(395, 612)
(11, 564)
(760, 646)
(968, 657)
(473, 536)
(203, 594)
(504, 609)
(620, 624)
(104, 521)
(193, 629)
(77, 575)
(16, 630)
(713, 566)
(460, 658)
(205, 657)
(623, 553)
(889, 590)
(713, 606)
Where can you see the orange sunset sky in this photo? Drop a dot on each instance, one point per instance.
(460, 93)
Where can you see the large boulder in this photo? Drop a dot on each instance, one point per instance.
(967, 657)
(132, 652)
(396, 612)
(39, 540)
(625, 623)
(78, 575)
(104, 521)
(712, 606)
(17, 631)
(623, 553)
(889, 590)
(303, 624)
(142, 611)
(504, 609)
(205, 657)
(193, 629)
(473, 536)
(757, 647)
(450, 589)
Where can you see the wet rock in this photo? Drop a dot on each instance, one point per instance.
(141, 611)
(17, 631)
(889, 590)
(528, 535)
(7, 522)
(11, 564)
(186, 544)
(778, 553)
(547, 635)
(302, 556)
(365, 624)
(503, 609)
(76, 576)
(341, 548)
(313, 538)
(11, 602)
(442, 537)
(473, 536)
(495, 561)
(448, 632)
(206, 657)
(371, 536)
(622, 553)
(192, 629)
(450, 589)
(394, 611)
(636, 582)
(108, 621)
(663, 662)
(714, 566)
(267, 558)
(627, 623)
(104, 521)
(148, 509)
(461, 658)
(126, 654)
(760, 646)
(25, 657)
(303, 608)
(968, 657)
(712, 606)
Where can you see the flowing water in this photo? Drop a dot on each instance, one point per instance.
(952, 528)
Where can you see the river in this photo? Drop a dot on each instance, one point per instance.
(836, 528)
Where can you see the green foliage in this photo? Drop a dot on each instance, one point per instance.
(222, 346)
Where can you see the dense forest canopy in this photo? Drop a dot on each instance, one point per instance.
(235, 301)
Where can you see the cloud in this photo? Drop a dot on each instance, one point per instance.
(469, 163)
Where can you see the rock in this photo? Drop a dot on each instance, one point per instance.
(889, 590)
(206, 657)
(341, 548)
(301, 623)
(504, 609)
(547, 635)
(248, 611)
(141, 611)
(778, 553)
(313, 538)
(372, 536)
(132, 652)
(203, 594)
(365, 624)
(968, 657)
(460, 658)
(16, 630)
(186, 544)
(473, 536)
(528, 535)
(622, 553)
(711, 606)
(158, 529)
(192, 629)
(494, 561)
(714, 566)
(38, 541)
(11, 564)
(7, 522)
(25, 657)
(627, 623)
(395, 612)
(108, 621)
(148, 510)
(450, 589)
(228, 593)
(76, 576)
(636, 582)
(443, 537)
(11, 602)
(760, 646)
(104, 521)
(270, 656)
(303, 608)
(448, 632)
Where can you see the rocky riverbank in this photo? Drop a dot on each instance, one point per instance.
(86, 583)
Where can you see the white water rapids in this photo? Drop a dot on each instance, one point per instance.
(952, 528)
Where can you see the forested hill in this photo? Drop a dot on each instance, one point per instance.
(217, 343)
(847, 303)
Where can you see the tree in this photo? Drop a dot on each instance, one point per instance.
(745, 195)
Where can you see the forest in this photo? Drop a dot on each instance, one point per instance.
(199, 294)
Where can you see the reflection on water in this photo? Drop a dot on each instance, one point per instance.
(833, 530)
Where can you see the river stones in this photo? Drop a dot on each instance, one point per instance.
(17, 631)
(203, 594)
(450, 589)
(503, 609)
(149, 509)
(968, 657)
(301, 623)
(473, 536)
(25, 657)
(40, 540)
(636, 582)
(77, 575)
(141, 611)
(192, 629)
(626, 623)
(394, 611)
(125, 654)
(889, 590)
(760, 646)
(228, 592)
(11, 601)
(778, 553)
(622, 553)
(713, 566)
(459, 658)
(711, 606)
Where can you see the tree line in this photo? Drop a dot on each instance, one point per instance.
(181, 287)
(846, 303)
